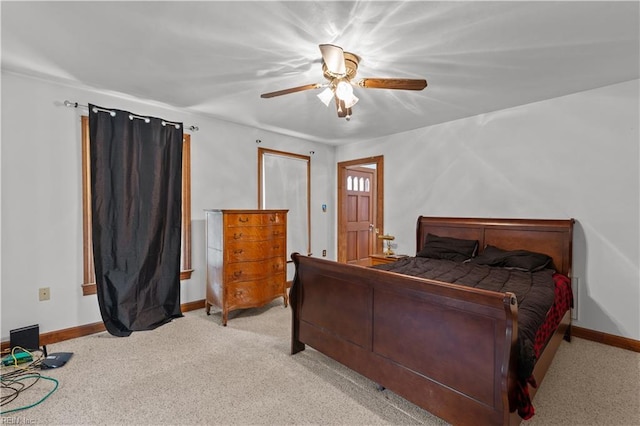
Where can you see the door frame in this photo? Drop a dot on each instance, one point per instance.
(262, 152)
(378, 199)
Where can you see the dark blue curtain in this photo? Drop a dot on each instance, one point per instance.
(136, 182)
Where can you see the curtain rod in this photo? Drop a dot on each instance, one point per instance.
(131, 116)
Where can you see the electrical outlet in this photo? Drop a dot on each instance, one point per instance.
(324, 253)
(44, 293)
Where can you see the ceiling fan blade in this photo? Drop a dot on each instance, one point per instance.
(392, 83)
(333, 57)
(291, 90)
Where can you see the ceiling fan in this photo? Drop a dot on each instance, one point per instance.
(340, 68)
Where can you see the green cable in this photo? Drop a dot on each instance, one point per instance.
(35, 403)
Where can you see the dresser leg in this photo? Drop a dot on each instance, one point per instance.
(224, 318)
(207, 308)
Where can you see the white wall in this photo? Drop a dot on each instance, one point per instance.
(41, 195)
(575, 156)
(570, 157)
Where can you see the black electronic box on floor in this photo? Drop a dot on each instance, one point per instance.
(56, 360)
(26, 338)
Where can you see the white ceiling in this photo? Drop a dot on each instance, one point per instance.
(216, 58)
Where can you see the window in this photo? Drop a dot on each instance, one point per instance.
(88, 279)
(358, 184)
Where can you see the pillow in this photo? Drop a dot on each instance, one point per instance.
(517, 259)
(448, 248)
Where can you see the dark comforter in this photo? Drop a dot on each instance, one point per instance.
(533, 290)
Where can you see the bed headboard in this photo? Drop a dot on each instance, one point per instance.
(553, 237)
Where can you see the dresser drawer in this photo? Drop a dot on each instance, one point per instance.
(274, 218)
(237, 251)
(255, 233)
(275, 285)
(242, 219)
(242, 294)
(254, 293)
(252, 219)
(254, 270)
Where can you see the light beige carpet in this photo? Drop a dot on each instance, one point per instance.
(194, 371)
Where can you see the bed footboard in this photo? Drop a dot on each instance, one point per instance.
(446, 348)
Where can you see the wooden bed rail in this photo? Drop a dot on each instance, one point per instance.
(444, 347)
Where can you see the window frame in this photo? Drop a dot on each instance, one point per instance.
(88, 274)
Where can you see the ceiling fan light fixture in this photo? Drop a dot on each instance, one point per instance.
(339, 68)
(326, 96)
(344, 90)
(351, 101)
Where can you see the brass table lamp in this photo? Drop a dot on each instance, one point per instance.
(388, 238)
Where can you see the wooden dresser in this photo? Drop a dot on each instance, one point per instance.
(246, 258)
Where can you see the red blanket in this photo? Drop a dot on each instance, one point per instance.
(563, 302)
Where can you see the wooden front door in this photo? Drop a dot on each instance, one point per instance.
(360, 215)
(359, 206)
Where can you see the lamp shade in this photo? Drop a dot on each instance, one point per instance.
(326, 96)
(344, 90)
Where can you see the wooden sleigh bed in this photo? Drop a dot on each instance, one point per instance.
(447, 348)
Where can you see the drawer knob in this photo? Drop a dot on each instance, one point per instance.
(276, 247)
(237, 273)
(243, 219)
(238, 251)
(237, 236)
(273, 218)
